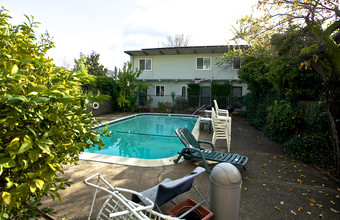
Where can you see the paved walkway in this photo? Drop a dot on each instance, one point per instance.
(275, 186)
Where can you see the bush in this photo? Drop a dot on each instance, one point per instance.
(283, 121)
(313, 144)
(161, 107)
(194, 94)
(220, 92)
(310, 149)
(44, 123)
(257, 109)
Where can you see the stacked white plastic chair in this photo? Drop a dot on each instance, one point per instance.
(221, 125)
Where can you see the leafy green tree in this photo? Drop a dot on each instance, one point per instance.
(129, 86)
(43, 121)
(81, 68)
(316, 26)
(254, 72)
(93, 65)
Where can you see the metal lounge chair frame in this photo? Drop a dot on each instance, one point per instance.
(117, 206)
(193, 149)
(169, 189)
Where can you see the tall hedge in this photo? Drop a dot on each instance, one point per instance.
(43, 121)
(221, 92)
(194, 94)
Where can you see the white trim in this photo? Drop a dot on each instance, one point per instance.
(161, 93)
(186, 91)
(145, 63)
(210, 58)
(234, 63)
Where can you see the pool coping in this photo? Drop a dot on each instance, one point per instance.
(136, 161)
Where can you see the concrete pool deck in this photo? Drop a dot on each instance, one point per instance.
(275, 186)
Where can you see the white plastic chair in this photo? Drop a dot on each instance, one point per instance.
(221, 112)
(117, 206)
(221, 128)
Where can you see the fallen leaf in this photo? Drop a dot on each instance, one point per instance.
(304, 194)
(274, 157)
(264, 165)
(313, 181)
(294, 213)
(257, 154)
(320, 206)
(245, 188)
(277, 208)
(309, 213)
(338, 196)
(333, 210)
(311, 204)
(332, 202)
(290, 189)
(300, 209)
(268, 189)
(264, 184)
(300, 181)
(338, 189)
(312, 200)
(282, 202)
(321, 216)
(320, 191)
(277, 188)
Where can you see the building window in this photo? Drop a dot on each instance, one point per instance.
(203, 63)
(184, 91)
(145, 64)
(237, 63)
(160, 90)
(237, 91)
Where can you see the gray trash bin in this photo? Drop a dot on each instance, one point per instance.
(225, 191)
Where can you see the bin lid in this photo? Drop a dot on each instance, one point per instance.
(226, 174)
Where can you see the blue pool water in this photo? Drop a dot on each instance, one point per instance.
(145, 136)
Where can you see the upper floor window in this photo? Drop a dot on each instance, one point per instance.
(145, 64)
(237, 63)
(160, 90)
(203, 63)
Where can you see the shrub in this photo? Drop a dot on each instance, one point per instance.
(257, 109)
(310, 149)
(161, 107)
(193, 94)
(220, 92)
(313, 144)
(283, 121)
(43, 123)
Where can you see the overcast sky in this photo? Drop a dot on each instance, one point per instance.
(110, 27)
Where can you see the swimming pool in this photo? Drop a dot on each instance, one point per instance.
(145, 136)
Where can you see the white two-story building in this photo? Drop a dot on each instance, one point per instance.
(170, 69)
